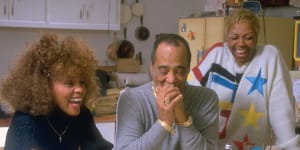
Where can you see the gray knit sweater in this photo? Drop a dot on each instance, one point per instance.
(137, 127)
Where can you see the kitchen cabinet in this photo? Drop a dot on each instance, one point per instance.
(61, 14)
(279, 32)
(19, 13)
(201, 33)
(84, 14)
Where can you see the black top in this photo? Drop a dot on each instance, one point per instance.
(26, 132)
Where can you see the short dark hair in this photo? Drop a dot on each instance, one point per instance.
(173, 39)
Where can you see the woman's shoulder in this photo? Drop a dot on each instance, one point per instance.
(269, 46)
(272, 52)
(23, 123)
(268, 49)
(216, 48)
(22, 130)
(22, 118)
(218, 51)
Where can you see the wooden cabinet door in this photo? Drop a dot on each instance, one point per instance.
(214, 31)
(279, 32)
(193, 30)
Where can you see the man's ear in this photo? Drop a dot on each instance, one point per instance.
(151, 70)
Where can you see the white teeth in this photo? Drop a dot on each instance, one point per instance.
(76, 100)
(240, 50)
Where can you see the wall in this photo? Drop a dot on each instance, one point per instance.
(14, 40)
(161, 16)
(287, 12)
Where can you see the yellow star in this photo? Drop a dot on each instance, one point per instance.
(251, 117)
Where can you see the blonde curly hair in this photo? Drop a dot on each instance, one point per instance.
(28, 85)
(242, 14)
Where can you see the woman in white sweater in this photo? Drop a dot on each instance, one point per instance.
(253, 85)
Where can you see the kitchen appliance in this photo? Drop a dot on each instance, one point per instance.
(254, 6)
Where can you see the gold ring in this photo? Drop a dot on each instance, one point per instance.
(166, 100)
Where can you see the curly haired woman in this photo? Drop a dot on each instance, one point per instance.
(50, 89)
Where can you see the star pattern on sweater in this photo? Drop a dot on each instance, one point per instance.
(257, 83)
(240, 144)
(251, 116)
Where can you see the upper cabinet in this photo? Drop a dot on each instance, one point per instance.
(25, 13)
(61, 14)
(85, 14)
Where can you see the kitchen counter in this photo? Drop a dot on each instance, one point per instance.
(105, 118)
(99, 119)
(4, 122)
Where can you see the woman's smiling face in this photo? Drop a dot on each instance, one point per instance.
(242, 39)
(68, 95)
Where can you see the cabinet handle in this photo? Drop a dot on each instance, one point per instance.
(4, 10)
(12, 8)
(87, 14)
(5, 7)
(81, 13)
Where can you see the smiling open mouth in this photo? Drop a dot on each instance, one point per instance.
(75, 100)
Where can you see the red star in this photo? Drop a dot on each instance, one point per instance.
(240, 144)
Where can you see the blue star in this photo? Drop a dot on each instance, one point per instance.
(257, 83)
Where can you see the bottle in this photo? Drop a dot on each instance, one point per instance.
(297, 14)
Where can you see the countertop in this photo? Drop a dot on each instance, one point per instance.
(99, 119)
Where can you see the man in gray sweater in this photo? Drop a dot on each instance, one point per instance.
(167, 114)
